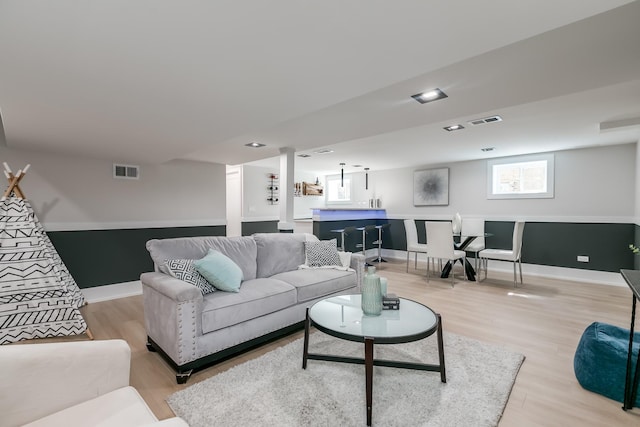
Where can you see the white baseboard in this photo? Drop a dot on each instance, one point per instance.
(114, 291)
(561, 273)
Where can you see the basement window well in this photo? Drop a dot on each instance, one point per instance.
(338, 190)
(522, 177)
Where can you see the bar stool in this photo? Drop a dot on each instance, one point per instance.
(378, 242)
(363, 245)
(343, 232)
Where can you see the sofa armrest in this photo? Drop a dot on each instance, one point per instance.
(40, 379)
(170, 287)
(357, 263)
(172, 315)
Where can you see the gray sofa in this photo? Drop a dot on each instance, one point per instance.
(192, 330)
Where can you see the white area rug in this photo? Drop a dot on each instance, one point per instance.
(274, 390)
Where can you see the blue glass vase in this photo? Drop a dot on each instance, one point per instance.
(371, 293)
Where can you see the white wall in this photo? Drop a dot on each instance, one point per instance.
(255, 206)
(303, 205)
(234, 201)
(73, 193)
(591, 184)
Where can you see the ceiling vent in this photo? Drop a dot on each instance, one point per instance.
(485, 120)
(126, 171)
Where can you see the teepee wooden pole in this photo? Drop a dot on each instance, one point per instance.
(14, 181)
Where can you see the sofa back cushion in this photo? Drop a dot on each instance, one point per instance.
(241, 250)
(279, 252)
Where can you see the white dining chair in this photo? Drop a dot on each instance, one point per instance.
(513, 255)
(412, 242)
(440, 245)
(473, 227)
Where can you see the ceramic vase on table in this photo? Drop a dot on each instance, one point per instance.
(371, 293)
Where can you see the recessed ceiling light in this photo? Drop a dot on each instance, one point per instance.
(453, 127)
(357, 166)
(304, 155)
(428, 96)
(488, 149)
(324, 151)
(254, 145)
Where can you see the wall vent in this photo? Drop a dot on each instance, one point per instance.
(126, 171)
(485, 120)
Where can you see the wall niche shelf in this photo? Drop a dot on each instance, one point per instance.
(309, 189)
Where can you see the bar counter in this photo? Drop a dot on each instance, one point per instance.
(347, 214)
(327, 223)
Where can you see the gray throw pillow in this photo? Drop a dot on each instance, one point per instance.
(184, 270)
(324, 252)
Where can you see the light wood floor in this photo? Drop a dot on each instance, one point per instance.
(543, 320)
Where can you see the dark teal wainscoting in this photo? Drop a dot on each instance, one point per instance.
(248, 228)
(102, 257)
(544, 243)
(559, 243)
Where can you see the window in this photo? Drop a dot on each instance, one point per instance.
(520, 177)
(337, 193)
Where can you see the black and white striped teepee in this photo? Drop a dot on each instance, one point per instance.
(38, 296)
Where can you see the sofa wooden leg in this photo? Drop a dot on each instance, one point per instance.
(150, 346)
(182, 377)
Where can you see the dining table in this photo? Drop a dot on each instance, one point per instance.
(469, 271)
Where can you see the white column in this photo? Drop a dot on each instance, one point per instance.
(287, 165)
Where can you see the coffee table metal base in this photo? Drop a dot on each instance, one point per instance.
(369, 361)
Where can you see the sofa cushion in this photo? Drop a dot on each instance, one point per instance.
(321, 253)
(120, 408)
(279, 252)
(318, 282)
(256, 298)
(220, 271)
(185, 270)
(241, 250)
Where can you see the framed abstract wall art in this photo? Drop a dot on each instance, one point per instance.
(431, 187)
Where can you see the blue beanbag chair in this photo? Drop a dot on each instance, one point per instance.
(600, 362)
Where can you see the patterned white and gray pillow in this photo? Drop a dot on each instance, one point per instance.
(321, 253)
(184, 270)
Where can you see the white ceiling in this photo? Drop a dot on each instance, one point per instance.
(156, 80)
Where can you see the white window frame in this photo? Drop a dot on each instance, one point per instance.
(549, 194)
(348, 182)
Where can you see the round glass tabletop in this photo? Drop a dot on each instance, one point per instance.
(342, 316)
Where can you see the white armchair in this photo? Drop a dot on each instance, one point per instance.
(79, 383)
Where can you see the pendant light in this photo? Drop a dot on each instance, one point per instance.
(366, 178)
(342, 174)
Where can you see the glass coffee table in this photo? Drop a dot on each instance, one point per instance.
(342, 317)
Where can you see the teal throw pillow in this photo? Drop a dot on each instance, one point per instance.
(220, 271)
